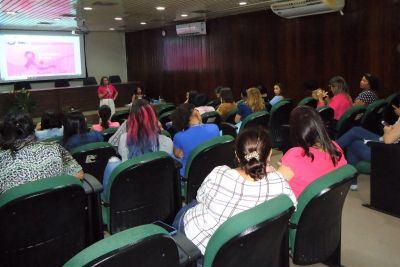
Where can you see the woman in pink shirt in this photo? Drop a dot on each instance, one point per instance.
(105, 123)
(341, 100)
(107, 94)
(314, 154)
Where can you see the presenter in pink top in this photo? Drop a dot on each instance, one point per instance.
(341, 100)
(314, 154)
(107, 94)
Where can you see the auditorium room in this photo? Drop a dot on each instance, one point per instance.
(215, 133)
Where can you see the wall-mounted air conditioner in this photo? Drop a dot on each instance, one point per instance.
(300, 8)
(194, 28)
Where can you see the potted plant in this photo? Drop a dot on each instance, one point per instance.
(22, 100)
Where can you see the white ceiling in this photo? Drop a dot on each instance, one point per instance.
(70, 15)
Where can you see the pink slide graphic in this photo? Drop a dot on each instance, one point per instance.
(40, 58)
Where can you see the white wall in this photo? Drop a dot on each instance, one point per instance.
(105, 55)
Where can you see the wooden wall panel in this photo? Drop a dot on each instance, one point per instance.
(261, 48)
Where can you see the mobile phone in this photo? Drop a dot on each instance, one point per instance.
(384, 123)
(171, 230)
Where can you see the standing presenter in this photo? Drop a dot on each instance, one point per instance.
(107, 94)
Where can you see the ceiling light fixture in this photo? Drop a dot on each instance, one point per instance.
(143, 23)
(57, 19)
(88, 8)
(112, 29)
(242, 3)
(184, 15)
(160, 8)
(118, 18)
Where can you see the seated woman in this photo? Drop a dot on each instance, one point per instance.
(226, 192)
(138, 94)
(341, 100)
(49, 126)
(279, 93)
(253, 103)
(227, 102)
(186, 120)
(105, 123)
(357, 150)
(314, 154)
(23, 159)
(369, 84)
(75, 131)
(143, 133)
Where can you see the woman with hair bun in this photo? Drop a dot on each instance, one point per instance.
(226, 192)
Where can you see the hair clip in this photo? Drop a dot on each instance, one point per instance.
(252, 155)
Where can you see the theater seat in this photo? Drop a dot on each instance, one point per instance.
(351, 118)
(211, 117)
(389, 115)
(253, 238)
(120, 116)
(279, 116)
(203, 159)
(61, 83)
(107, 133)
(255, 119)
(315, 227)
(46, 222)
(93, 157)
(308, 101)
(228, 129)
(142, 190)
(327, 115)
(230, 116)
(142, 246)
(90, 81)
(165, 108)
(114, 79)
(373, 116)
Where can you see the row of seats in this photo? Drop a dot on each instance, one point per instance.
(48, 221)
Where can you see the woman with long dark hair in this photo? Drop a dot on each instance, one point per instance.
(105, 123)
(314, 154)
(226, 192)
(76, 133)
(23, 159)
(369, 84)
(50, 126)
(279, 93)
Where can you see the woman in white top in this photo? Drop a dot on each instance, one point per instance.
(226, 192)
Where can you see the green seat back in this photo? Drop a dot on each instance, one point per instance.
(255, 119)
(164, 118)
(120, 116)
(279, 115)
(389, 115)
(211, 117)
(93, 157)
(364, 167)
(308, 101)
(142, 190)
(58, 139)
(326, 113)
(203, 159)
(107, 133)
(230, 116)
(253, 237)
(145, 245)
(166, 133)
(352, 117)
(165, 108)
(42, 218)
(373, 116)
(318, 216)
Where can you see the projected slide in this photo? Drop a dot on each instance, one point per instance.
(33, 57)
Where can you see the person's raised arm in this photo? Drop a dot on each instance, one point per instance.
(102, 93)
